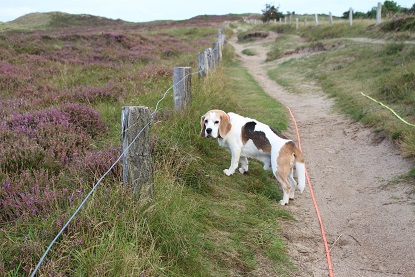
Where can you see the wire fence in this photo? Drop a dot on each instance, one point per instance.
(201, 69)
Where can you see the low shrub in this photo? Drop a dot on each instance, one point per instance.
(274, 54)
(399, 88)
(249, 52)
(401, 24)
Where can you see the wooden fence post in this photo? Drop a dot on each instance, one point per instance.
(330, 19)
(219, 38)
(296, 23)
(138, 172)
(210, 58)
(203, 64)
(379, 13)
(350, 16)
(182, 84)
(215, 49)
(316, 21)
(220, 46)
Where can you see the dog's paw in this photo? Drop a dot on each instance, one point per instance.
(242, 171)
(283, 203)
(228, 172)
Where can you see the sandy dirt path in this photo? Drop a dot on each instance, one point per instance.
(368, 219)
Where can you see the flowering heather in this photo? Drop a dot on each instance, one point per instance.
(154, 71)
(19, 152)
(12, 77)
(89, 94)
(51, 136)
(94, 164)
(31, 193)
(85, 117)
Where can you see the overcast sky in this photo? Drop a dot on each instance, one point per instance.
(149, 10)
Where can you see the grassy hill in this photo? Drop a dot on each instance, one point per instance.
(51, 20)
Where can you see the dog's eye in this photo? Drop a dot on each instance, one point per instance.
(206, 121)
(217, 122)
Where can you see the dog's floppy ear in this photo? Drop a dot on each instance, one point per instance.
(225, 124)
(202, 122)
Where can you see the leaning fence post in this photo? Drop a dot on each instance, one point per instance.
(182, 83)
(138, 171)
(379, 13)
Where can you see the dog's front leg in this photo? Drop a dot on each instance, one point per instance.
(244, 165)
(236, 154)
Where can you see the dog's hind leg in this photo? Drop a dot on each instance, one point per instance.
(286, 188)
(244, 165)
(292, 182)
(282, 168)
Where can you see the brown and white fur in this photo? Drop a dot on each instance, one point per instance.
(247, 138)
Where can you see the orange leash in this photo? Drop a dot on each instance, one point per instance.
(323, 234)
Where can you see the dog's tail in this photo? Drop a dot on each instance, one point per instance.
(300, 168)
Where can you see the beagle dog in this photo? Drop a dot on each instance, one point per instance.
(247, 138)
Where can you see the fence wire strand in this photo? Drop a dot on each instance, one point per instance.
(106, 173)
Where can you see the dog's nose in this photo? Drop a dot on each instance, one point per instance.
(209, 130)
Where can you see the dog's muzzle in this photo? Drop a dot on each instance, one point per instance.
(208, 132)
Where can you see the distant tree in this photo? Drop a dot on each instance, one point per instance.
(412, 9)
(372, 13)
(390, 7)
(359, 15)
(345, 15)
(270, 13)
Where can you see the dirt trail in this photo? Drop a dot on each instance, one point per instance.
(369, 220)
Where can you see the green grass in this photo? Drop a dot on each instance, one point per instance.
(252, 100)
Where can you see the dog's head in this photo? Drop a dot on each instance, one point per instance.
(215, 123)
